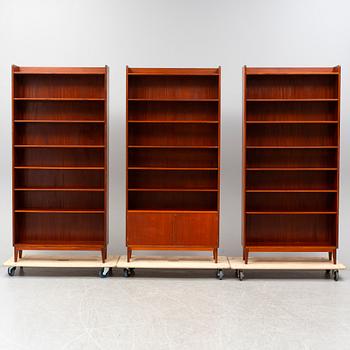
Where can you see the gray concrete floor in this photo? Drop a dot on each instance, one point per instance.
(74, 309)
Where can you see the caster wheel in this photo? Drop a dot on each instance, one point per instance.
(241, 275)
(132, 271)
(328, 273)
(127, 273)
(104, 272)
(336, 275)
(220, 274)
(11, 270)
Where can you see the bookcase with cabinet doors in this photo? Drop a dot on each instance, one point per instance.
(60, 159)
(291, 160)
(173, 159)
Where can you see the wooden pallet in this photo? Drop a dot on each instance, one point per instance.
(63, 261)
(278, 263)
(173, 262)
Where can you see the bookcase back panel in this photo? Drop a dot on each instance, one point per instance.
(59, 200)
(292, 135)
(60, 178)
(173, 110)
(173, 135)
(292, 180)
(182, 87)
(295, 111)
(291, 230)
(291, 202)
(59, 157)
(47, 134)
(292, 86)
(173, 158)
(59, 86)
(59, 228)
(184, 179)
(291, 158)
(59, 110)
(172, 201)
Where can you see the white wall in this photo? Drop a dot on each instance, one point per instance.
(177, 33)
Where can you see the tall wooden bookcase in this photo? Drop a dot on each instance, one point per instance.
(291, 160)
(60, 159)
(173, 159)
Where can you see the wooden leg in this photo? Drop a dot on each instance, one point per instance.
(129, 253)
(15, 254)
(215, 254)
(330, 256)
(243, 254)
(104, 254)
(20, 254)
(246, 256)
(335, 256)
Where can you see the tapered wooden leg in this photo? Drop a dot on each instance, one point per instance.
(215, 254)
(20, 254)
(15, 254)
(330, 256)
(335, 256)
(129, 253)
(243, 254)
(104, 254)
(246, 256)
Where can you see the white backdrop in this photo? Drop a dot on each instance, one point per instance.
(174, 33)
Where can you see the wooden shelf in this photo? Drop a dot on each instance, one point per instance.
(60, 211)
(60, 156)
(57, 99)
(58, 189)
(173, 122)
(64, 121)
(59, 167)
(172, 190)
(291, 160)
(59, 146)
(172, 158)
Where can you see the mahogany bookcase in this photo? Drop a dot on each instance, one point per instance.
(60, 159)
(173, 159)
(291, 160)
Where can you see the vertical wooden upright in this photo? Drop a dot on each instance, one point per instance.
(173, 159)
(291, 124)
(60, 159)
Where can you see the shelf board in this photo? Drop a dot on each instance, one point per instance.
(291, 71)
(292, 122)
(59, 146)
(167, 168)
(58, 189)
(171, 211)
(61, 211)
(57, 99)
(291, 99)
(173, 121)
(57, 121)
(291, 147)
(173, 99)
(174, 147)
(290, 212)
(292, 169)
(60, 167)
(60, 71)
(291, 191)
(171, 190)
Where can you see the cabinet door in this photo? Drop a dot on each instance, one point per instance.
(152, 229)
(196, 229)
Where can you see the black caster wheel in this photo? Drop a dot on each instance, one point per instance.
(240, 275)
(104, 272)
(132, 271)
(11, 271)
(336, 275)
(220, 274)
(328, 273)
(236, 273)
(127, 273)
